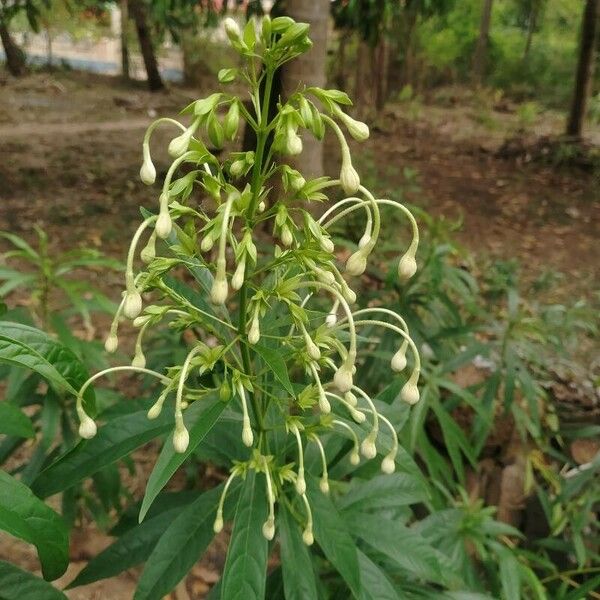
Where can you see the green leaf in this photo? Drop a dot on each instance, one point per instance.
(510, 577)
(199, 420)
(246, 564)
(14, 422)
(298, 574)
(28, 518)
(375, 584)
(406, 548)
(31, 348)
(383, 491)
(131, 549)
(333, 537)
(274, 361)
(182, 544)
(113, 441)
(16, 584)
(582, 591)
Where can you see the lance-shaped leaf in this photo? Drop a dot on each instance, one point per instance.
(14, 422)
(333, 537)
(182, 544)
(199, 419)
(113, 441)
(16, 584)
(25, 516)
(31, 348)
(245, 571)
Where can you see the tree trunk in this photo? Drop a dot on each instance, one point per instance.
(15, 57)
(124, 41)
(309, 69)
(585, 68)
(138, 12)
(480, 56)
(532, 21)
(381, 89)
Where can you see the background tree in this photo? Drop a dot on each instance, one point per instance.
(480, 55)
(137, 9)
(309, 68)
(585, 69)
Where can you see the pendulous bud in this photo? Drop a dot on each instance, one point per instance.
(87, 427)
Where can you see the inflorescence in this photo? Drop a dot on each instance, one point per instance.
(302, 268)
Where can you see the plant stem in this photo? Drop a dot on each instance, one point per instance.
(255, 187)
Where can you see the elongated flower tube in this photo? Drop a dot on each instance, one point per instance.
(368, 447)
(180, 144)
(324, 405)
(357, 129)
(300, 481)
(354, 455)
(155, 410)
(324, 481)
(357, 415)
(268, 528)
(388, 464)
(307, 534)
(410, 392)
(148, 252)
(112, 340)
(139, 360)
(237, 281)
(247, 435)
(86, 429)
(407, 266)
(218, 293)
(311, 348)
(218, 524)
(148, 171)
(181, 437)
(349, 178)
(254, 330)
(331, 319)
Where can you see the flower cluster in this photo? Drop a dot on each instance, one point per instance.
(257, 304)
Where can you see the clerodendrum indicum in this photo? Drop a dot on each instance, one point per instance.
(244, 286)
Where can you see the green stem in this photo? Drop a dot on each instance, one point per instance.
(262, 135)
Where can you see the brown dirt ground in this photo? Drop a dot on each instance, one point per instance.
(70, 150)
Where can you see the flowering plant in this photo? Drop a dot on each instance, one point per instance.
(282, 372)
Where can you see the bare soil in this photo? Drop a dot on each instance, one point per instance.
(70, 151)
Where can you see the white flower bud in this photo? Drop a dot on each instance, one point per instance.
(407, 266)
(324, 276)
(261, 206)
(232, 29)
(237, 168)
(349, 179)
(297, 182)
(331, 319)
(308, 537)
(139, 360)
(300, 482)
(398, 362)
(148, 252)
(147, 171)
(218, 292)
(254, 331)
(357, 129)
(324, 405)
(268, 529)
(364, 240)
(218, 524)
(237, 281)
(247, 435)
(327, 244)
(132, 306)
(180, 144)
(410, 393)
(181, 439)
(349, 294)
(293, 142)
(356, 264)
(351, 399)
(155, 410)
(112, 343)
(141, 321)
(354, 457)
(87, 427)
(286, 236)
(343, 378)
(207, 243)
(324, 485)
(358, 416)
(388, 464)
(368, 448)
(312, 349)
(164, 224)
